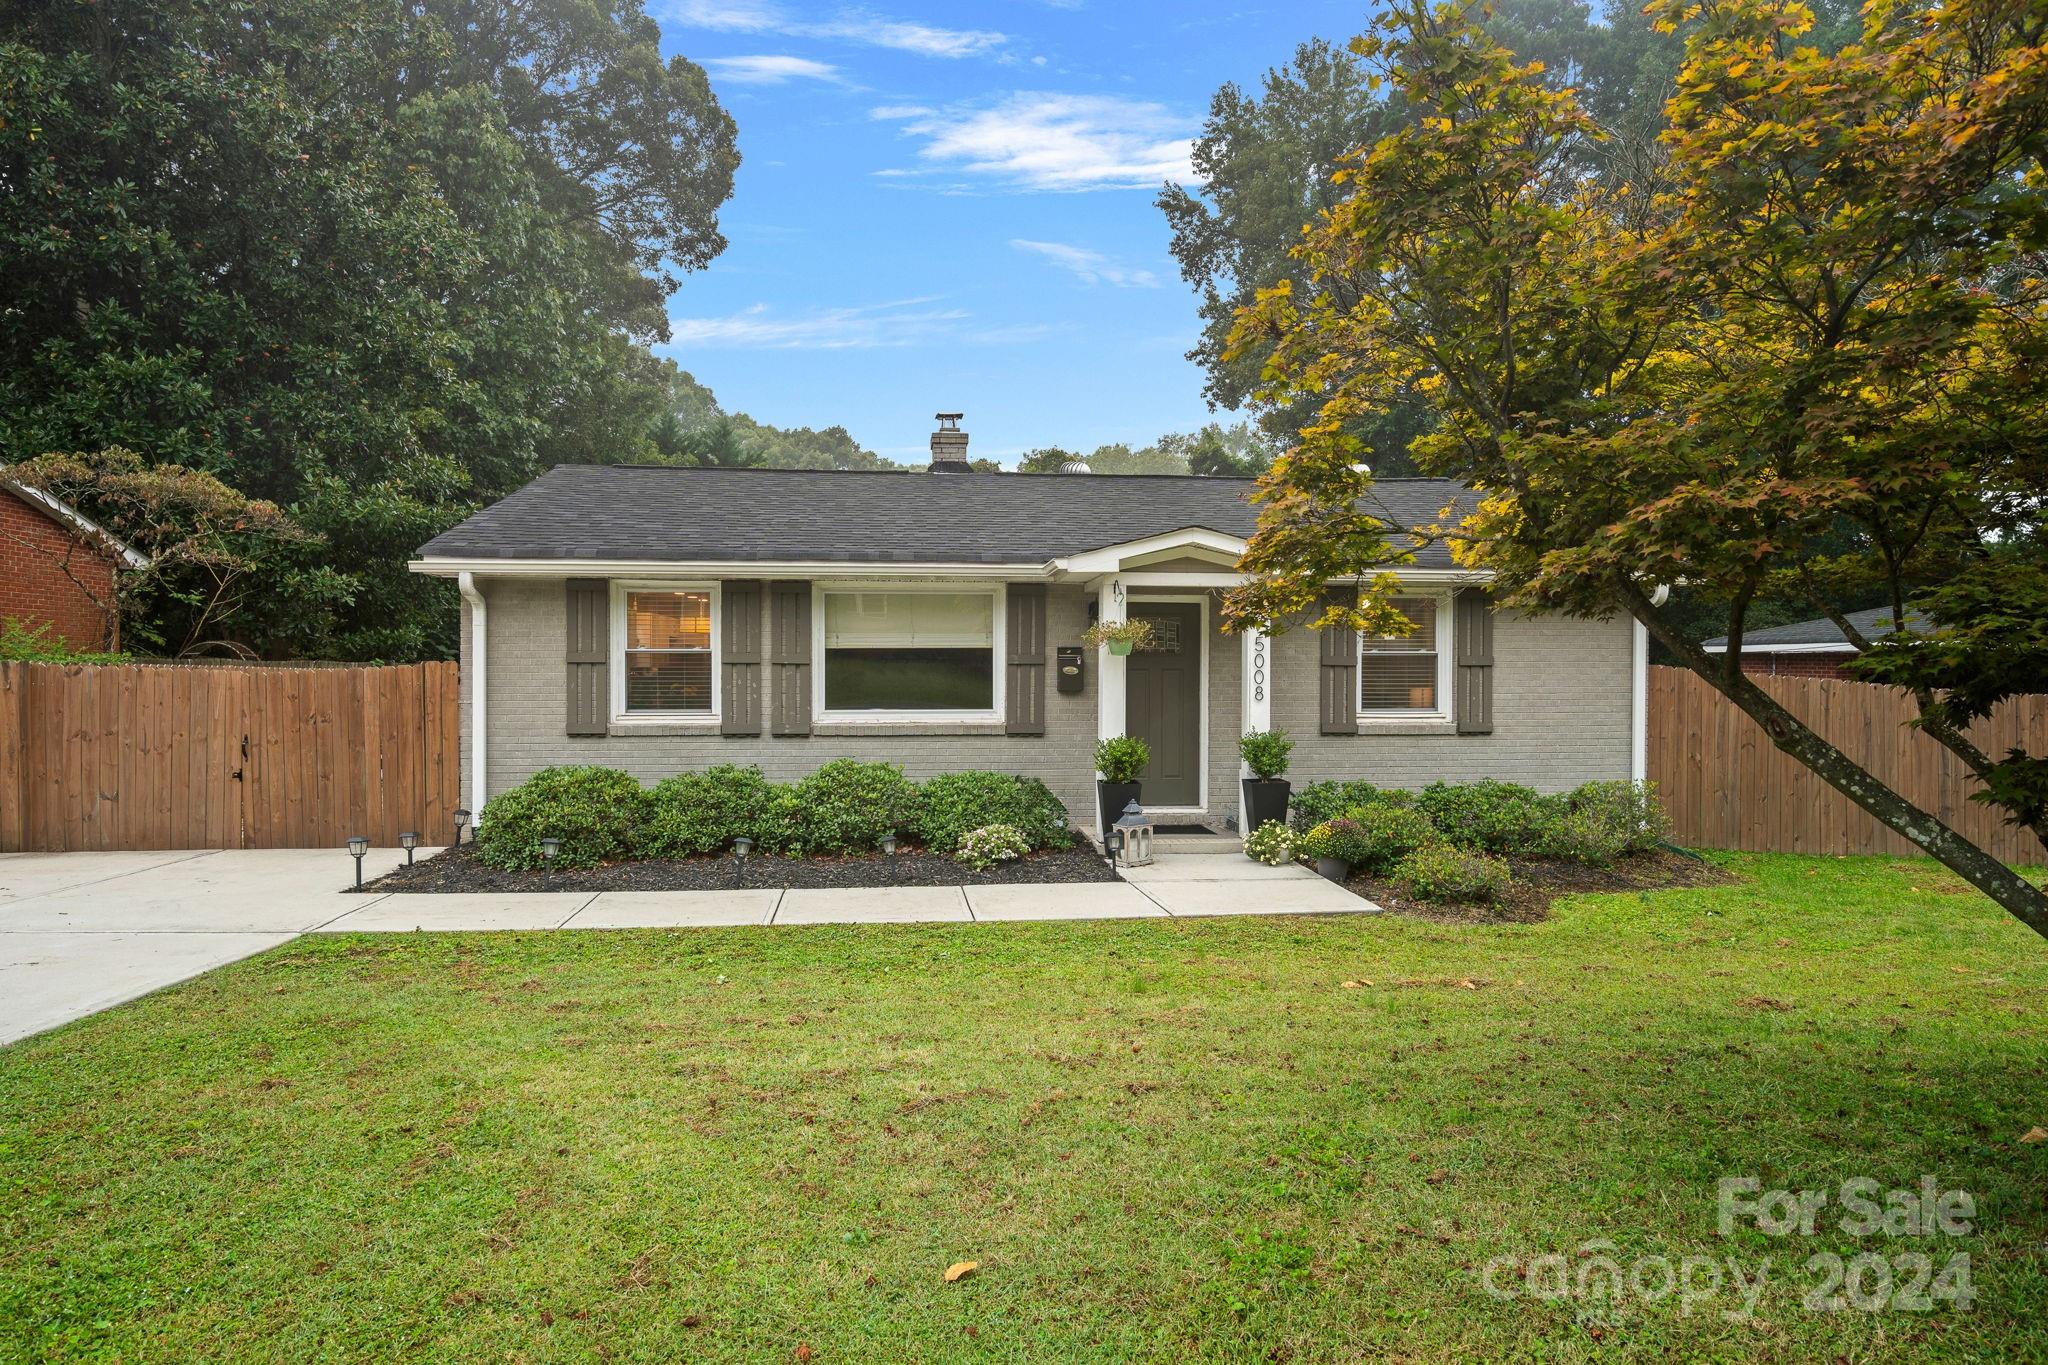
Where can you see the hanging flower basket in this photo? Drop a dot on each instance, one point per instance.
(1121, 636)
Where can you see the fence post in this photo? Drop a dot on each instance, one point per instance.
(14, 685)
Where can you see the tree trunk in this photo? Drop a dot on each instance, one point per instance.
(2024, 901)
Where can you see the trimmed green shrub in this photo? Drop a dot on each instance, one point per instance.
(847, 806)
(597, 813)
(1580, 837)
(1045, 822)
(1320, 801)
(693, 813)
(1445, 873)
(1370, 838)
(981, 849)
(951, 804)
(1271, 843)
(1630, 809)
(1120, 758)
(1497, 817)
(1380, 835)
(1265, 751)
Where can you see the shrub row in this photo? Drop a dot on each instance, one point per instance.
(602, 815)
(1447, 841)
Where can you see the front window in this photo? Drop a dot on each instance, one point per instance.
(1400, 673)
(668, 651)
(909, 651)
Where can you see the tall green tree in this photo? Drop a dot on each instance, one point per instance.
(375, 264)
(1828, 314)
(1268, 160)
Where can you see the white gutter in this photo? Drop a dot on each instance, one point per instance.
(477, 789)
(719, 568)
(1763, 647)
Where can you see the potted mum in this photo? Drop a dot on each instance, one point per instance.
(1118, 761)
(1265, 792)
(1121, 636)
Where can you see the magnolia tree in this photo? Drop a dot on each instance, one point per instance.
(1802, 349)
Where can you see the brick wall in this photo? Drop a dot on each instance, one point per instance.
(1561, 715)
(526, 706)
(36, 591)
(1796, 665)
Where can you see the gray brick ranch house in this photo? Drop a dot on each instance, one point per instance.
(658, 619)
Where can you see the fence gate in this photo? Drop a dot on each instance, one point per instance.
(141, 756)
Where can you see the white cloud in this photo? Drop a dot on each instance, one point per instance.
(1061, 142)
(1090, 267)
(905, 322)
(849, 25)
(769, 70)
(900, 111)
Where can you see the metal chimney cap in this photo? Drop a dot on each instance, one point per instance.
(949, 420)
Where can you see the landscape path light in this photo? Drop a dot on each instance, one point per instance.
(357, 847)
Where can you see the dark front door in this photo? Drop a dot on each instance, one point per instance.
(1163, 702)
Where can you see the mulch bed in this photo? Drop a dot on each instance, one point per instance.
(462, 870)
(1539, 881)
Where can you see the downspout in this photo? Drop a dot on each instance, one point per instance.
(1639, 693)
(466, 581)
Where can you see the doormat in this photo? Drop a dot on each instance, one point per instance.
(1182, 829)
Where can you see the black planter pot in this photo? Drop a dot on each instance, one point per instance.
(1336, 869)
(1265, 798)
(1110, 800)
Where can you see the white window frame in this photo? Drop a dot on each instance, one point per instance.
(1446, 666)
(620, 715)
(998, 594)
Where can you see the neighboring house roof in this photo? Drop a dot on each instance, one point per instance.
(86, 528)
(664, 513)
(1818, 636)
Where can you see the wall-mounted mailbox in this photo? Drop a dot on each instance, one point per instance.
(1070, 675)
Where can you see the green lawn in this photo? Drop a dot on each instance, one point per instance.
(1161, 1141)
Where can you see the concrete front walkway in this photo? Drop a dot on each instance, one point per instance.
(80, 932)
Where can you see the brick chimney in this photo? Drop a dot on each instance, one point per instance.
(949, 446)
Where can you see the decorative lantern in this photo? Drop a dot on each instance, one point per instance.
(357, 847)
(1133, 831)
(409, 841)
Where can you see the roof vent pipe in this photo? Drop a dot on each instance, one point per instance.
(949, 446)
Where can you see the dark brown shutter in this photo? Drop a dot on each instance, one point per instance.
(740, 657)
(1339, 671)
(590, 692)
(1024, 639)
(789, 656)
(1472, 634)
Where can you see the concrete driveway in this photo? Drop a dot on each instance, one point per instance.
(80, 932)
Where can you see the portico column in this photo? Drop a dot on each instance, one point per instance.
(1255, 712)
(1109, 673)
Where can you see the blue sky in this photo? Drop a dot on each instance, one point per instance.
(950, 207)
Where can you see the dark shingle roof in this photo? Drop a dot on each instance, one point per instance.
(651, 512)
(1870, 623)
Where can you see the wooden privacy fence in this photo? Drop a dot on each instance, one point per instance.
(143, 756)
(1727, 786)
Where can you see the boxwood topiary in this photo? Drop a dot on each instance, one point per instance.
(847, 806)
(597, 813)
(695, 813)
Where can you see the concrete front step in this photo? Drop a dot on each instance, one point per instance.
(1196, 843)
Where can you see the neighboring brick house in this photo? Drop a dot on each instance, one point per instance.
(658, 619)
(1810, 649)
(57, 569)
